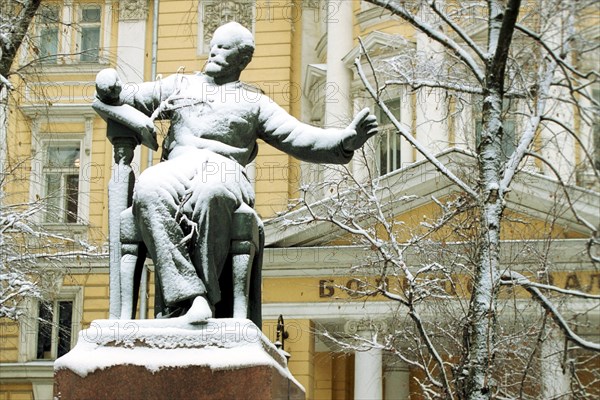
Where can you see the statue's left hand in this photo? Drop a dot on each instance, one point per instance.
(363, 127)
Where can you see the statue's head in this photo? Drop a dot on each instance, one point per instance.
(231, 50)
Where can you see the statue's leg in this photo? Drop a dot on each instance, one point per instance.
(216, 196)
(157, 197)
(213, 213)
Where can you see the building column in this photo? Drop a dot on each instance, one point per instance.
(396, 382)
(555, 378)
(339, 14)
(368, 360)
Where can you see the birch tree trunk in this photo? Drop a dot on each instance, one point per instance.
(481, 324)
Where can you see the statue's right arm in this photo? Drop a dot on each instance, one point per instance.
(146, 96)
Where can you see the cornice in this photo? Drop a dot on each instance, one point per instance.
(27, 371)
(375, 42)
(80, 110)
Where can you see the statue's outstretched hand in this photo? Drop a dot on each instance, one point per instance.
(363, 127)
(108, 86)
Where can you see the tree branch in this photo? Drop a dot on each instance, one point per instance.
(430, 157)
(17, 31)
(512, 278)
(459, 31)
(435, 34)
(563, 185)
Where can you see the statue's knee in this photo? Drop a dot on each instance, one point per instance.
(147, 191)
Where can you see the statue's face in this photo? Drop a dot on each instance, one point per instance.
(224, 61)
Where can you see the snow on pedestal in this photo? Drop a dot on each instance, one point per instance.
(172, 358)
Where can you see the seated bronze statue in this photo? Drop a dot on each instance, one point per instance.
(183, 207)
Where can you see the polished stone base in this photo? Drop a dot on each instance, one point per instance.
(172, 359)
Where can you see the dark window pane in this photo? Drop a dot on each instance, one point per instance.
(48, 44)
(65, 318)
(383, 152)
(508, 138)
(90, 43)
(53, 197)
(397, 160)
(48, 40)
(72, 198)
(44, 338)
(49, 14)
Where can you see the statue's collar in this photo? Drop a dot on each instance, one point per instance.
(236, 83)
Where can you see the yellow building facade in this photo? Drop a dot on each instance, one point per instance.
(58, 151)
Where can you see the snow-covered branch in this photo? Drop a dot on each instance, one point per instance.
(512, 278)
(458, 30)
(420, 83)
(410, 138)
(564, 186)
(521, 280)
(400, 10)
(16, 21)
(546, 73)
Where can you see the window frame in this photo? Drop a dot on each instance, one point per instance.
(70, 35)
(389, 137)
(29, 326)
(55, 327)
(64, 172)
(37, 180)
(81, 25)
(41, 26)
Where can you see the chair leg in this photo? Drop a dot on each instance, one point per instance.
(242, 265)
(127, 272)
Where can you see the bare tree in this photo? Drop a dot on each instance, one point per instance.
(488, 55)
(15, 20)
(30, 253)
(32, 258)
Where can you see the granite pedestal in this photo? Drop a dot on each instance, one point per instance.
(173, 359)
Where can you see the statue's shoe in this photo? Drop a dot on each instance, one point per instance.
(199, 313)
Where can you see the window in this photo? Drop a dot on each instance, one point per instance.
(55, 329)
(89, 35)
(48, 34)
(49, 328)
(61, 181)
(68, 33)
(389, 139)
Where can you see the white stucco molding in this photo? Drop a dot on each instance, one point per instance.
(133, 10)
(377, 43)
(327, 261)
(39, 373)
(71, 110)
(532, 194)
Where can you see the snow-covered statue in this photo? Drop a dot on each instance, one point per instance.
(183, 206)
